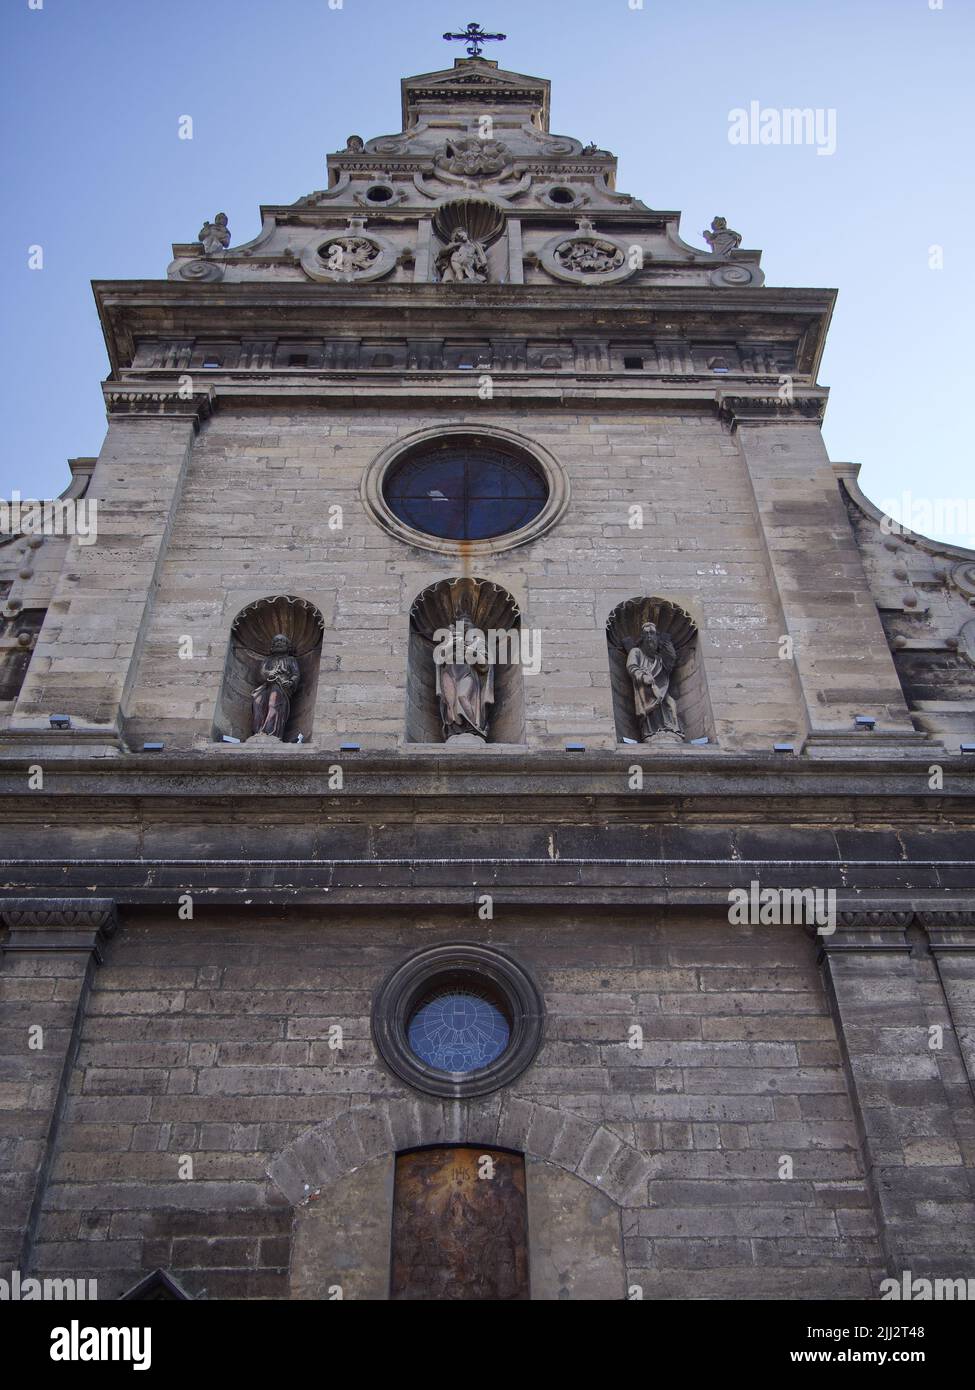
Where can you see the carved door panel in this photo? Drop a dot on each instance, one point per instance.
(460, 1225)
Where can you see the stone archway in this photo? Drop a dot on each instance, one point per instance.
(339, 1178)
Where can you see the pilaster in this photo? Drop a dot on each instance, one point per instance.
(842, 659)
(922, 1192)
(85, 661)
(49, 960)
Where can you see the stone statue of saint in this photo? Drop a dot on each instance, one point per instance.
(354, 145)
(721, 238)
(465, 683)
(649, 665)
(462, 259)
(215, 235)
(280, 678)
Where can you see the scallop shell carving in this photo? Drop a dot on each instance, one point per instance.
(479, 217)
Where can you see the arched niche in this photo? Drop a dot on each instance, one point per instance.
(251, 634)
(490, 609)
(687, 683)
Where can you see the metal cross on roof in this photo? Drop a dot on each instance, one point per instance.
(475, 38)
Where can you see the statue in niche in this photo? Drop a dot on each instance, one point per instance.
(649, 666)
(351, 255)
(462, 259)
(589, 257)
(354, 145)
(721, 238)
(465, 680)
(280, 678)
(215, 235)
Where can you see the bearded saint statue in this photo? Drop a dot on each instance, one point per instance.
(280, 678)
(649, 666)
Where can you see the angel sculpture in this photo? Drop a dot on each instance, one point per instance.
(462, 259)
(649, 666)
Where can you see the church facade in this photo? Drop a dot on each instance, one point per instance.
(488, 809)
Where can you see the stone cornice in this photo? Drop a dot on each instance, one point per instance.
(181, 309)
(805, 405)
(122, 400)
(304, 771)
(72, 924)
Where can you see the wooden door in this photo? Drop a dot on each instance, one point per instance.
(460, 1225)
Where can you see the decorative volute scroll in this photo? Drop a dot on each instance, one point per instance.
(657, 680)
(483, 703)
(252, 641)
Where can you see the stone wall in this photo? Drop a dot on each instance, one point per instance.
(253, 520)
(209, 1039)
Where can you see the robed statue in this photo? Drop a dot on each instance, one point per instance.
(215, 235)
(465, 682)
(280, 678)
(721, 239)
(649, 666)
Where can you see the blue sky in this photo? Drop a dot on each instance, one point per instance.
(94, 172)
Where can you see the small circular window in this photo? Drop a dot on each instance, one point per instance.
(458, 1020)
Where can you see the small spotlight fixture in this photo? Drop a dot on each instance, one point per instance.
(229, 738)
(700, 742)
(575, 747)
(864, 721)
(349, 748)
(783, 747)
(968, 748)
(153, 747)
(60, 721)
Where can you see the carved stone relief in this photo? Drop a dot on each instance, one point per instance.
(586, 257)
(462, 260)
(349, 257)
(470, 157)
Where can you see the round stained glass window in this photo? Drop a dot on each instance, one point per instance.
(458, 1030)
(463, 491)
(458, 1020)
